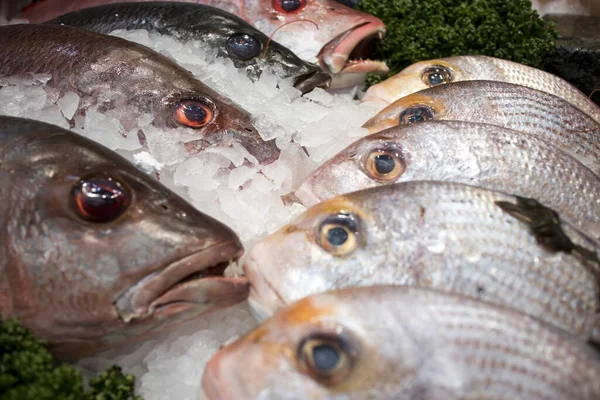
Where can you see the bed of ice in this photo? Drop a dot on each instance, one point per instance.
(308, 130)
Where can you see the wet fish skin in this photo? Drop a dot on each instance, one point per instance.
(473, 68)
(89, 285)
(503, 104)
(482, 155)
(340, 29)
(210, 25)
(404, 343)
(443, 235)
(131, 76)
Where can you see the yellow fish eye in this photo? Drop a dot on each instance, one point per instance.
(385, 163)
(326, 358)
(416, 114)
(338, 234)
(436, 75)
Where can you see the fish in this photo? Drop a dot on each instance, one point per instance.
(233, 37)
(340, 41)
(94, 253)
(488, 245)
(482, 155)
(123, 75)
(402, 343)
(504, 104)
(426, 74)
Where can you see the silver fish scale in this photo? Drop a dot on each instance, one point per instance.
(524, 109)
(455, 237)
(492, 353)
(506, 160)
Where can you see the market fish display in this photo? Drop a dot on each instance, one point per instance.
(340, 43)
(488, 245)
(402, 343)
(482, 155)
(503, 104)
(233, 37)
(426, 74)
(94, 252)
(134, 80)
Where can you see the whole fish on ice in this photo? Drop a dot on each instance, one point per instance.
(402, 343)
(488, 245)
(482, 155)
(234, 38)
(134, 80)
(94, 253)
(426, 74)
(503, 104)
(340, 43)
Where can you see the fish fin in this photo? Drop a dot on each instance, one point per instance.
(546, 226)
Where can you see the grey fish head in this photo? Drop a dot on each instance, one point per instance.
(97, 253)
(118, 75)
(234, 38)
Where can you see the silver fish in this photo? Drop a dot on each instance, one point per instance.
(488, 245)
(503, 104)
(483, 155)
(402, 343)
(426, 74)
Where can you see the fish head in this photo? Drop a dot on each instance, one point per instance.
(418, 107)
(252, 50)
(417, 77)
(322, 347)
(314, 253)
(379, 159)
(155, 85)
(99, 253)
(338, 37)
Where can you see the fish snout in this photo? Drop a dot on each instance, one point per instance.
(316, 78)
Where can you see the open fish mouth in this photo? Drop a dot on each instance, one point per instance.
(196, 281)
(348, 52)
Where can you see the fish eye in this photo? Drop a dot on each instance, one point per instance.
(288, 6)
(416, 114)
(193, 113)
(385, 163)
(243, 46)
(100, 198)
(326, 358)
(436, 75)
(338, 234)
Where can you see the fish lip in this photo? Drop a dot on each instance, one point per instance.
(333, 56)
(307, 82)
(170, 284)
(261, 288)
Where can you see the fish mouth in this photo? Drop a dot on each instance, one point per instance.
(263, 299)
(348, 51)
(194, 281)
(307, 82)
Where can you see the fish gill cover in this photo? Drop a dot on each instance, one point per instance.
(426, 29)
(29, 372)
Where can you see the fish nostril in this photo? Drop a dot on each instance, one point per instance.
(249, 130)
(164, 206)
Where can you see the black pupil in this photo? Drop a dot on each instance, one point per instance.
(195, 113)
(325, 357)
(415, 115)
(436, 78)
(337, 236)
(243, 46)
(290, 5)
(101, 199)
(384, 164)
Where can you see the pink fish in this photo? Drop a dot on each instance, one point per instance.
(332, 34)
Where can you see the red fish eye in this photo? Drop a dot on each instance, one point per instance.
(288, 6)
(193, 113)
(100, 198)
